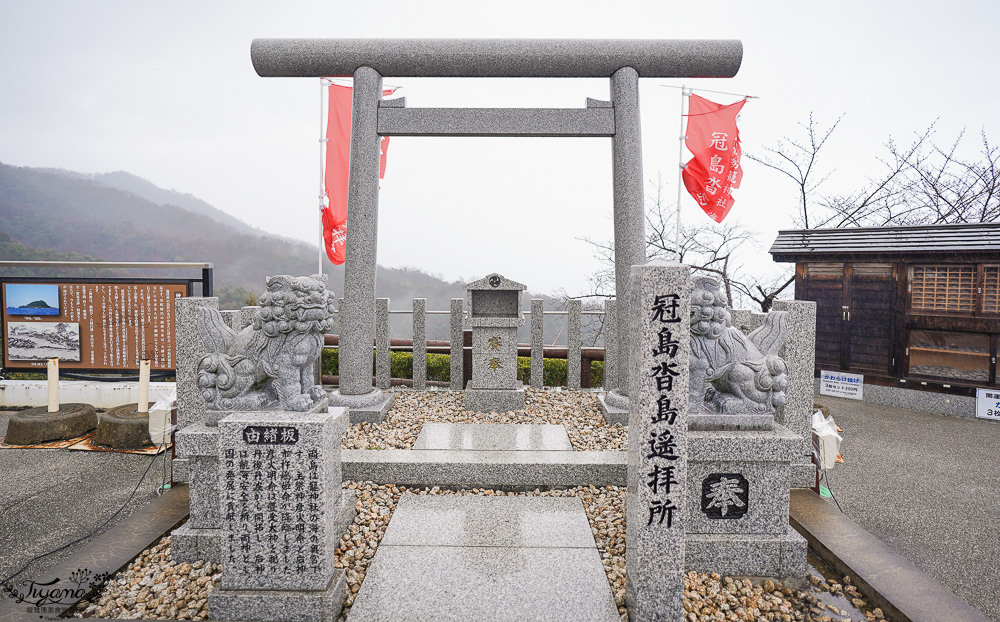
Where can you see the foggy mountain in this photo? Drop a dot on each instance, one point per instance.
(55, 214)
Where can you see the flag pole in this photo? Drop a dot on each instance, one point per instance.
(322, 181)
(680, 173)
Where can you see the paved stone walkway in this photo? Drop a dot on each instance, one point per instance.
(486, 558)
(929, 487)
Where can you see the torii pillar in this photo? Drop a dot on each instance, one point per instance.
(367, 60)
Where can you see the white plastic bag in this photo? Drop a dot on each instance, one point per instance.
(159, 418)
(826, 440)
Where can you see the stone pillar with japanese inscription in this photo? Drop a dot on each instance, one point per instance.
(656, 505)
(282, 513)
(494, 304)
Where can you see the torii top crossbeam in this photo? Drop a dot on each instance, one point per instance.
(497, 58)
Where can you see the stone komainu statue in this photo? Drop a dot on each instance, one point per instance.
(272, 359)
(733, 373)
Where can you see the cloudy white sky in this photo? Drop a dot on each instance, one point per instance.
(166, 90)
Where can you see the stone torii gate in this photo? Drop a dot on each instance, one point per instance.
(368, 60)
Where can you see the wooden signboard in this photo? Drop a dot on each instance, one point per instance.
(95, 325)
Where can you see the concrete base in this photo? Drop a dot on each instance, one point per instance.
(494, 400)
(189, 544)
(280, 605)
(370, 407)
(612, 414)
(124, 427)
(759, 555)
(38, 425)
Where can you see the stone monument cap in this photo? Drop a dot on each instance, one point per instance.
(494, 301)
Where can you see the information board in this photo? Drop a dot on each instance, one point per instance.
(841, 384)
(988, 403)
(93, 325)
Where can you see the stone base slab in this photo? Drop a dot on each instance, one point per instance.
(494, 400)
(280, 605)
(493, 437)
(362, 409)
(612, 414)
(189, 544)
(702, 421)
(803, 474)
(505, 469)
(770, 555)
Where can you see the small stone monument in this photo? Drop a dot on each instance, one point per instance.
(280, 503)
(657, 500)
(494, 304)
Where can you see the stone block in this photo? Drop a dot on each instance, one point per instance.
(610, 345)
(537, 343)
(370, 407)
(383, 359)
(613, 415)
(179, 471)
(203, 494)
(280, 489)
(189, 544)
(779, 444)
(494, 301)
(782, 555)
(656, 503)
(232, 319)
(280, 605)
(456, 383)
(573, 343)
(197, 440)
(246, 315)
(737, 497)
(191, 405)
(799, 354)
(419, 344)
(493, 437)
(494, 400)
(494, 358)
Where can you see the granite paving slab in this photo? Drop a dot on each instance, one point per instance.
(489, 521)
(486, 558)
(493, 437)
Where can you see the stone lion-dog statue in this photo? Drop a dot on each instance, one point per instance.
(271, 360)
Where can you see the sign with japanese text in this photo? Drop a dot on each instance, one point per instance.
(988, 404)
(841, 384)
(90, 325)
(658, 360)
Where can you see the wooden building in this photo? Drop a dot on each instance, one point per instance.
(917, 307)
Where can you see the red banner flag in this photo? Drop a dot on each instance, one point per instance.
(714, 171)
(338, 166)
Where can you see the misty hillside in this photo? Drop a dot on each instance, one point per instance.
(60, 215)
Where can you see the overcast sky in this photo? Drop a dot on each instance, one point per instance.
(166, 91)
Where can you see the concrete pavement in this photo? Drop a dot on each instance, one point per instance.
(928, 486)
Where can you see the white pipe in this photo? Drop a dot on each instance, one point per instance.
(53, 371)
(143, 387)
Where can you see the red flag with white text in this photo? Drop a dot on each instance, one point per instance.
(338, 165)
(714, 140)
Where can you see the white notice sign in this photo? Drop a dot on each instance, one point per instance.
(841, 384)
(988, 404)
